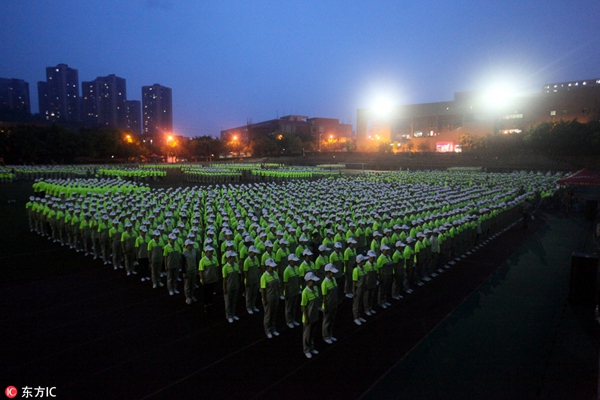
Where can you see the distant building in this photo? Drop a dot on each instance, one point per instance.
(157, 110)
(59, 95)
(14, 96)
(134, 112)
(313, 128)
(104, 102)
(440, 125)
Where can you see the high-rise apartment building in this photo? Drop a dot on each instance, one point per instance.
(134, 111)
(104, 102)
(157, 109)
(59, 95)
(14, 96)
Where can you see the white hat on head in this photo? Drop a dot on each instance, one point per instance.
(330, 267)
(269, 262)
(310, 277)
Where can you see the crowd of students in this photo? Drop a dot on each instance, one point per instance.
(306, 243)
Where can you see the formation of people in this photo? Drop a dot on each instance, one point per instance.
(303, 245)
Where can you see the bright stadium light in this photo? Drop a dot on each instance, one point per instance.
(383, 106)
(498, 96)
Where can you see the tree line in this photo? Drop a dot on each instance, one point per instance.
(56, 144)
(551, 139)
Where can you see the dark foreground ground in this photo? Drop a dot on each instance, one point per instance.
(71, 323)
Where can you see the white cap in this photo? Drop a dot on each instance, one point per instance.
(208, 248)
(310, 277)
(384, 247)
(323, 248)
(307, 252)
(230, 253)
(292, 257)
(337, 245)
(269, 262)
(371, 253)
(188, 242)
(330, 267)
(253, 249)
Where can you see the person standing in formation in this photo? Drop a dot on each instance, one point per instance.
(172, 257)
(269, 289)
(330, 291)
(359, 285)
(310, 303)
(231, 285)
(208, 277)
(155, 258)
(141, 248)
(291, 283)
(191, 260)
(251, 279)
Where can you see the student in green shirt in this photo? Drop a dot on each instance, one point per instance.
(155, 258)
(321, 261)
(172, 257)
(128, 239)
(291, 284)
(117, 250)
(251, 279)
(349, 263)
(190, 257)
(386, 269)
(330, 292)
(141, 251)
(103, 229)
(372, 282)
(231, 285)
(359, 286)
(310, 303)
(208, 276)
(398, 260)
(269, 289)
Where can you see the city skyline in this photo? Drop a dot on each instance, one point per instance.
(230, 61)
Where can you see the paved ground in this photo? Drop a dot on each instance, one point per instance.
(92, 332)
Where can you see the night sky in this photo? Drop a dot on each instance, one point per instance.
(227, 61)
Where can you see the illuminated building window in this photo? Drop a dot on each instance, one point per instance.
(553, 112)
(418, 134)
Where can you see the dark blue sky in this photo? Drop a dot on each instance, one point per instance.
(227, 61)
